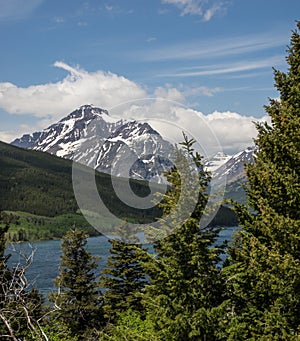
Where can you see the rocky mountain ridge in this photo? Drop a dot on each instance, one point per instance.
(127, 148)
(89, 135)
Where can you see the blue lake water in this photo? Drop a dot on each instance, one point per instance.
(45, 264)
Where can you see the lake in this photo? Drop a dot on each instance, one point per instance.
(44, 267)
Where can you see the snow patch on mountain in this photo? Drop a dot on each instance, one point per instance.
(234, 168)
(91, 136)
(214, 162)
(126, 148)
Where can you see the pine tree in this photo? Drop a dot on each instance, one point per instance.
(185, 284)
(78, 300)
(264, 270)
(124, 277)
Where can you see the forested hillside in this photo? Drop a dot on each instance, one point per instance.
(40, 185)
(34, 182)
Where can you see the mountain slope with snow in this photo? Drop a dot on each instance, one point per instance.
(214, 162)
(233, 168)
(92, 137)
(126, 148)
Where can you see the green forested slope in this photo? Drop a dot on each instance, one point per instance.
(41, 184)
(35, 182)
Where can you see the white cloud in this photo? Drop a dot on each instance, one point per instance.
(9, 135)
(50, 102)
(169, 94)
(219, 69)
(77, 88)
(203, 8)
(234, 131)
(202, 91)
(196, 49)
(219, 131)
(211, 12)
(187, 6)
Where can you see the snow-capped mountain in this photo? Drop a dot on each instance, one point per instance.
(230, 169)
(233, 168)
(214, 162)
(27, 141)
(119, 147)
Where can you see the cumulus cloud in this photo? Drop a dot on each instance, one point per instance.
(234, 131)
(169, 94)
(218, 131)
(77, 88)
(9, 135)
(163, 108)
(204, 8)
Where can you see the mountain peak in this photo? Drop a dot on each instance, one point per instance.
(86, 112)
(215, 161)
(117, 146)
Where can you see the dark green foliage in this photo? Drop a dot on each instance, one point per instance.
(41, 184)
(264, 270)
(186, 287)
(30, 227)
(124, 277)
(78, 300)
(35, 182)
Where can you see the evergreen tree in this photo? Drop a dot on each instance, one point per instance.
(78, 300)
(185, 284)
(264, 270)
(124, 277)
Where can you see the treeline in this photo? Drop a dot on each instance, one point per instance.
(183, 291)
(29, 227)
(41, 184)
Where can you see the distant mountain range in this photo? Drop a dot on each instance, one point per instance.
(32, 180)
(119, 147)
(233, 168)
(88, 135)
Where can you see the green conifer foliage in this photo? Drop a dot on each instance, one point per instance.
(185, 283)
(78, 300)
(124, 277)
(264, 271)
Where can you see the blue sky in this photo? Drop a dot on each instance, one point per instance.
(214, 56)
